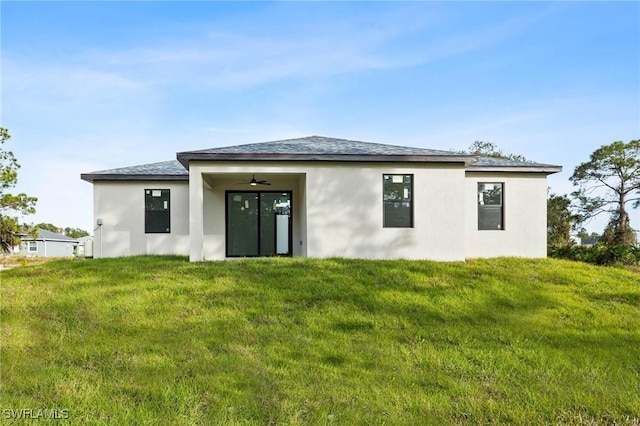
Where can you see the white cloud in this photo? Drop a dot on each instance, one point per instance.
(63, 83)
(235, 60)
(230, 61)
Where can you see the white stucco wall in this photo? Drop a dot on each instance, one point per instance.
(525, 217)
(345, 213)
(338, 208)
(121, 206)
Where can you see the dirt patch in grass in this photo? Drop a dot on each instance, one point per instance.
(634, 268)
(10, 262)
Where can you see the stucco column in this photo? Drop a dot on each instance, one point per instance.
(196, 223)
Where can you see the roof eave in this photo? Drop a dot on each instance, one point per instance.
(55, 240)
(27, 237)
(547, 169)
(91, 177)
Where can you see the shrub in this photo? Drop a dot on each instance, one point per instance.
(599, 254)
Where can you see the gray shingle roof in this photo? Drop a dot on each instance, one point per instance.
(491, 164)
(45, 234)
(312, 148)
(319, 148)
(165, 170)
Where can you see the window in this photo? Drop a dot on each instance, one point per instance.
(157, 218)
(490, 202)
(33, 246)
(397, 197)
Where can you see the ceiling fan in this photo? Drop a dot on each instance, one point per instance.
(254, 182)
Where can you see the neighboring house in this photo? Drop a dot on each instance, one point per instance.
(85, 246)
(48, 244)
(323, 197)
(591, 241)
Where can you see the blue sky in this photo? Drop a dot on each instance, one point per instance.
(95, 85)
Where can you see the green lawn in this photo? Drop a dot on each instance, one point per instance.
(159, 340)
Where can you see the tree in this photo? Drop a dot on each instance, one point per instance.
(606, 183)
(489, 149)
(11, 205)
(48, 226)
(617, 232)
(585, 235)
(75, 232)
(560, 220)
(69, 232)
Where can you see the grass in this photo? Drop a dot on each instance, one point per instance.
(159, 340)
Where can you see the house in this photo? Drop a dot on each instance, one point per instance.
(85, 246)
(322, 197)
(48, 244)
(591, 241)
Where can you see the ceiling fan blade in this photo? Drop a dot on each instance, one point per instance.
(254, 182)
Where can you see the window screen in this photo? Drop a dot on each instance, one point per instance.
(397, 199)
(157, 218)
(490, 206)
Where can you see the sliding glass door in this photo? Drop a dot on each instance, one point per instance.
(242, 224)
(258, 223)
